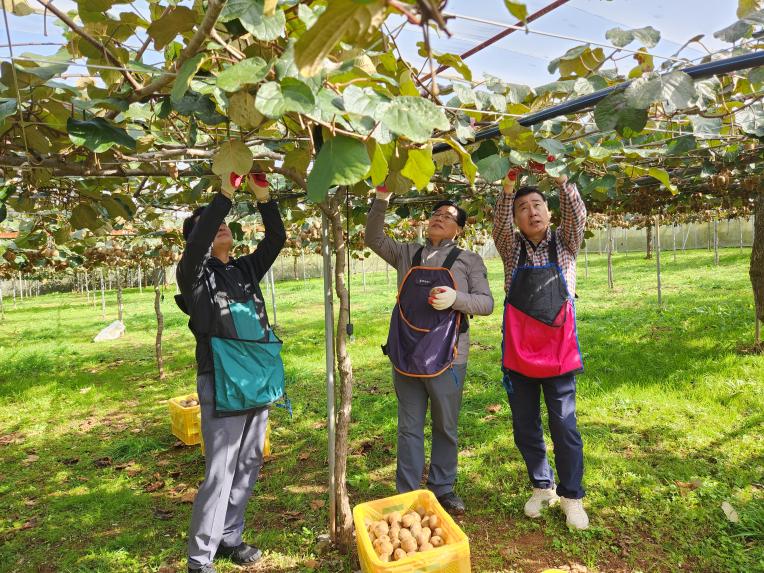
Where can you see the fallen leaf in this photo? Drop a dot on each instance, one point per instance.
(303, 456)
(163, 463)
(70, 461)
(154, 486)
(30, 502)
(493, 408)
(292, 515)
(12, 438)
(102, 462)
(318, 425)
(29, 524)
(311, 564)
(31, 458)
(730, 512)
(317, 503)
(188, 497)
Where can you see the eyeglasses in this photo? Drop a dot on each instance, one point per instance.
(443, 215)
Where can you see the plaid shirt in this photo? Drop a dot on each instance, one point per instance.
(570, 234)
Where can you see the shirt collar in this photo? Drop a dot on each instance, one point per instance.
(543, 243)
(445, 243)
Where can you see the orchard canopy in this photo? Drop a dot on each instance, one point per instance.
(317, 94)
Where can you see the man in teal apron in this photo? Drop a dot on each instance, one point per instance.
(239, 370)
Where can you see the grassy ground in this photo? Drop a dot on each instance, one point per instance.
(669, 407)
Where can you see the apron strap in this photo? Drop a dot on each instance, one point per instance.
(451, 258)
(417, 260)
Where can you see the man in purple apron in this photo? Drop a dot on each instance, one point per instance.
(540, 347)
(437, 278)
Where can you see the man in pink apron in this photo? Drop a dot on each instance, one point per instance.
(540, 346)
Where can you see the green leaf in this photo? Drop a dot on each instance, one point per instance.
(275, 99)
(648, 35)
(614, 112)
(468, 166)
(7, 107)
(177, 21)
(678, 90)
(249, 71)
(705, 125)
(663, 176)
(98, 134)
(242, 111)
(414, 118)
(682, 145)
(455, 62)
(346, 20)
(85, 217)
(556, 148)
(419, 166)
(341, 161)
(619, 38)
(493, 168)
(644, 91)
(232, 157)
(263, 27)
(185, 75)
(116, 206)
(201, 106)
(517, 9)
(745, 7)
(517, 136)
(734, 32)
(466, 95)
(379, 169)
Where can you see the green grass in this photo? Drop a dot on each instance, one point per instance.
(669, 397)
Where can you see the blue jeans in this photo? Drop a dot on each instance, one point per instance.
(560, 398)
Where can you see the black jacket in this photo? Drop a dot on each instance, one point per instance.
(238, 278)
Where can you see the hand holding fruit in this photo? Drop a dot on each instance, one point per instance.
(511, 180)
(382, 193)
(258, 184)
(442, 297)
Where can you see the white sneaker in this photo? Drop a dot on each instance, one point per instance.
(540, 499)
(575, 513)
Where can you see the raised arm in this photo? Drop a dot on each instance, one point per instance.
(199, 241)
(271, 244)
(572, 216)
(388, 249)
(503, 220)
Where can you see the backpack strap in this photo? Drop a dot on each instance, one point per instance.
(451, 257)
(417, 260)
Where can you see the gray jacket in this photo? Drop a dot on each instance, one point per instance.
(473, 295)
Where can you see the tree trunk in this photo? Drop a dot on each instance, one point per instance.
(741, 233)
(756, 270)
(673, 238)
(687, 236)
(610, 284)
(658, 257)
(304, 271)
(103, 296)
(13, 286)
(649, 244)
(294, 268)
(21, 286)
(119, 294)
(344, 524)
(140, 280)
(160, 319)
(363, 273)
(716, 242)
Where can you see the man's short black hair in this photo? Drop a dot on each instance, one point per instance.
(190, 221)
(461, 214)
(526, 190)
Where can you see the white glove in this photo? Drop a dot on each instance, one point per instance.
(383, 194)
(442, 297)
(229, 184)
(258, 184)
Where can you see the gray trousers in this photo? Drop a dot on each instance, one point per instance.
(234, 454)
(444, 393)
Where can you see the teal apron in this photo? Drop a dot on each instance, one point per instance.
(246, 353)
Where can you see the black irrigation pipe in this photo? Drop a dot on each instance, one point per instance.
(696, 72)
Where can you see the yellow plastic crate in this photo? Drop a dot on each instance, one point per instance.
(454, 557)
(185, 420)
(266, 446)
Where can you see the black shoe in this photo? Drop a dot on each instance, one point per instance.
(242, 554)
(452, 503)
(209, 568)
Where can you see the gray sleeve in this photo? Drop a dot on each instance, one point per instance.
(390, 250)
(478, 298)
